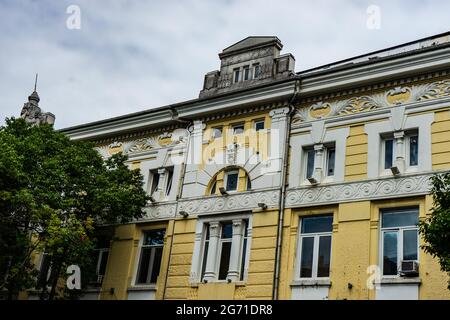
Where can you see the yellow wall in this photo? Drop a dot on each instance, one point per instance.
(440, 139)
(122, 260)
(356, 154)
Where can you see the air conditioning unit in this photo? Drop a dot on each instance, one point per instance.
(409, 268)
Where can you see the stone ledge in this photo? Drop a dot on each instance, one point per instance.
(311, 283)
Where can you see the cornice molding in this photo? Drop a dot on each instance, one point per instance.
(383, 188)
(243, 201)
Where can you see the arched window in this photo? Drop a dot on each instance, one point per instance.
(232, 179)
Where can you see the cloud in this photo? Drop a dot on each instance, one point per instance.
(130, 56)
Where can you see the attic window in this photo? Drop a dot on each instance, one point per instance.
(236, 73)
(246, 72)
(257, 70)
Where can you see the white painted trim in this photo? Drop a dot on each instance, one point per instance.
(200, 232)
(422, 122)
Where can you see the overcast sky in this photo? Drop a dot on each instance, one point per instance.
(130, 56)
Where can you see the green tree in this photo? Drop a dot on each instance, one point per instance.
(436, 229)
(54, 194)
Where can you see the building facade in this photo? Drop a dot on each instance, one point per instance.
(276, 184)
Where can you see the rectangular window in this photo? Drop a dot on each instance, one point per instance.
(331, 155)
(154, 176)
(388, 153)
(246, 72)
(169, 181)
(231, 182)
(413, 150)
(259, 125)
(309, 165)
(225, 249)
(236, 75)
(315, 246)
(44, 271)
(150, 257)
(216, 132)
(399, 238)
(222, 252)
(238, 128)
(257, 70)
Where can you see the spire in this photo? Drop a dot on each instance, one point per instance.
(34, 96)
(31, 111)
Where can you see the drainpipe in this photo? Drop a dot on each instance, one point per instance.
(188, 123)
(283, 193)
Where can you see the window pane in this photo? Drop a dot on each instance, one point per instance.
(400, 218)
(317, 224)
(257, 71)
(144, 265)
(310, 163)
(156, 264)
(330, 161)
(205, 257)
(169, 182)
(390, 253)
(388, 153)
(236, 75)
(410, 245)
(232, 180)
(244, 254)
(155, 181)
(306, 257)
(238, 129)
(323, 265)
(103, 261)
(259, 125)
(246, 73)
(217, 132)
(224, 260)
(413, 150)
(213, 187)
(227, 230)
(154, 237)
(44, 271)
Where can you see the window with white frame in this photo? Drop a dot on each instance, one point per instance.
(169, 181)
(247, 73)
(236, 75)
(309, 162)
(259, 125)
(400, 145)
(154, 181)
(324, 154)
(45, 270)
(231, 180)
(238, 128)
(150, 257)
(100, 260)
(224, 249)
(399, 238)
(315, 247)
(216, 132)
(256, 70)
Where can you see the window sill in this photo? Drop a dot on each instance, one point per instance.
(311, 283)
(237, 283)
(399, 280)
(149, 287)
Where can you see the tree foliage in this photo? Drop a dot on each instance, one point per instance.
(436, 229)
(54, 193)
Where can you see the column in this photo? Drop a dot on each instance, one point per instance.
(236, 246)
(318, 162)
(399, 137)
(214, 233)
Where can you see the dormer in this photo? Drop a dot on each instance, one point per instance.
(249, 62)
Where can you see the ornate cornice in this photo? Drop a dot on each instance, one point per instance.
(159, 212)
(383, 188)
(234, 202)
(400, 95)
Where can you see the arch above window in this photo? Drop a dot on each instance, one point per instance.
(232, 178)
